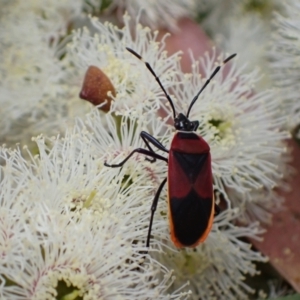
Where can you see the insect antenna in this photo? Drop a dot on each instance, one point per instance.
(156, 77)
(217, 69)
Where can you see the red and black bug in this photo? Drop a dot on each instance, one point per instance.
(190, 184)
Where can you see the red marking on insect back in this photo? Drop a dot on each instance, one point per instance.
(189, 142)
(189, 166)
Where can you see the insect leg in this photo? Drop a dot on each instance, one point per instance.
(153, 209)
(148, 138)
(138, 150)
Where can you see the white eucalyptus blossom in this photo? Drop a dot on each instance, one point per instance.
(13, 216)
(285, 61)
(222, 11)
(254, 55)
(104, 46)
(79, 228)
(245, 27)
(63, 258)
(241, 126)
(32, 97)
(54, 16)
(68, 175)
(152, 13)
(217, 268)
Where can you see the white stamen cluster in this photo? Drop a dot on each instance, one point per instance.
(66, 221)
(152, 13)
(285, 61)
(32, 96)
(216, 268)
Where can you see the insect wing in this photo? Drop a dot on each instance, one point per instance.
(190, 190)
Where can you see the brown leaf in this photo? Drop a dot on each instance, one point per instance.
(282, 239)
